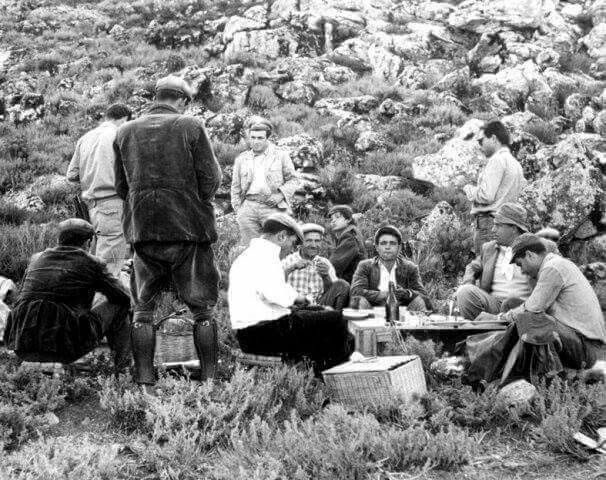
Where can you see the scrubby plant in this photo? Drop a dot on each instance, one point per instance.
(19, 243)
(441, 115)
(341, 184)
(544, 131)
(262, 97)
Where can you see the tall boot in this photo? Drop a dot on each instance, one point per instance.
(205, 340)
(120, 342)
(143, 339)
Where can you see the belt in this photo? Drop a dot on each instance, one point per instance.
(256, 197)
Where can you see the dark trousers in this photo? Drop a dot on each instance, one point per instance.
(322, 336)
(188, 266)
(337, 295)
(546, 347)
(483, 223)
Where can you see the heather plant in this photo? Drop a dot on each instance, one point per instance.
(261, 98)
(544, 131)
(19, 243)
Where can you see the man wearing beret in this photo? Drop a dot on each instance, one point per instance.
(491, 283)
(263, 180)
(560, 325)
(92, 167)
(54, 319)
(313, 276)
(371, 281)
(269, 315)
(167, 173)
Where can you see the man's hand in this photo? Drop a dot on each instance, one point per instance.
(274, 199)
(127, 266)
(486, 317)
(403, 294)
(298, 265)
(322, 266)
(382, 296)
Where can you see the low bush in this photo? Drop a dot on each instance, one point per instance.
(544, 131)
(226, 153)
(370, 85)
(19, 243)
(341, 185)
(262, 97)
(441, 115)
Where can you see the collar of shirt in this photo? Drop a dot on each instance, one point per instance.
(265, 247)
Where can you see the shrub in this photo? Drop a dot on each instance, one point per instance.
(371, 85)
(341, 185)
(251, 60)
(19, 243)
(401, 131)
(226, 153)
(574, 62)
(262, 97)
(441, 115)
(544, 131)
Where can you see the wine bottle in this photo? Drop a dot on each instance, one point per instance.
(392, 307)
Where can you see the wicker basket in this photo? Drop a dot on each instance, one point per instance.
(174, 340)
(376, 381)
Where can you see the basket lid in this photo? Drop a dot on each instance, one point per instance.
(376, 364)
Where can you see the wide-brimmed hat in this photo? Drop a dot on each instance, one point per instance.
(287, 221)
(388, 230)
(175, 84)
(511, 214)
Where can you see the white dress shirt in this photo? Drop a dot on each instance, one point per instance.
(257, 289)
(508, 280)
(386, 277)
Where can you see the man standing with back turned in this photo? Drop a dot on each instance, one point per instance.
(167, 173)
(92, 167)
(500, 181)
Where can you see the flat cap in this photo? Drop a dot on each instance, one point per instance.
(512, 214)
(76, 225)
(523, 242)
(344, 210)
(287, 221)
(312, 227)
(259, 123)
(389, 230)
(175, 84)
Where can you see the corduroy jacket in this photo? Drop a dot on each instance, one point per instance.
(368, 276)
(167, 173)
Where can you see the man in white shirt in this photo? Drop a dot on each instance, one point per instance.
(263, 180)
(92, 167)
(501, 285)
(499, 182)
(265, 311)
(312, 275)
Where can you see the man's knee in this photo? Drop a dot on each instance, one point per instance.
(511, 303)
(341, 286)
(203, 315)
(466, 293)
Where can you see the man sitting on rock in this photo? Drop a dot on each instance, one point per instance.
(266, 312)
(560, 325)
(349, 244)
(313, 276)
(371, 280)
(501, 285)
(54, 319)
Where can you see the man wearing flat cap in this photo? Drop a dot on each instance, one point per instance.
(263, 180)
(560, 325)
(167, 173)
(268, 314)
(54, 319)
(491, 283)
(312, 275)
(371, 281)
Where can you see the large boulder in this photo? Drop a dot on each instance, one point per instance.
(595, 41)
(359, 104)
(298, 92)
(457, 163)
(371, 140)
(272, 43)
(369, 56)
(240, 24)
(568, 189)
(574, 105)
(479, 16)
(304, 150)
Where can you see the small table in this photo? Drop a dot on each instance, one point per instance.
(373, 333)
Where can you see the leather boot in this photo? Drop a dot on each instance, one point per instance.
(120, 343)
(205, 340)
(143, 339)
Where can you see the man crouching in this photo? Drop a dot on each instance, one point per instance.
(266, 311)
(54, 319)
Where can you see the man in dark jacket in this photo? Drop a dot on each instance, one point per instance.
(167, 173)
(349, 249)
(371, 280)
(54, 319)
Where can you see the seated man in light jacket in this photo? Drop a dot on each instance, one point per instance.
(266, 312)
(371, 280)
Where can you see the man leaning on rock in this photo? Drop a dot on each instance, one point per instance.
(500, 181)
(167, 173)
(263, 180)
